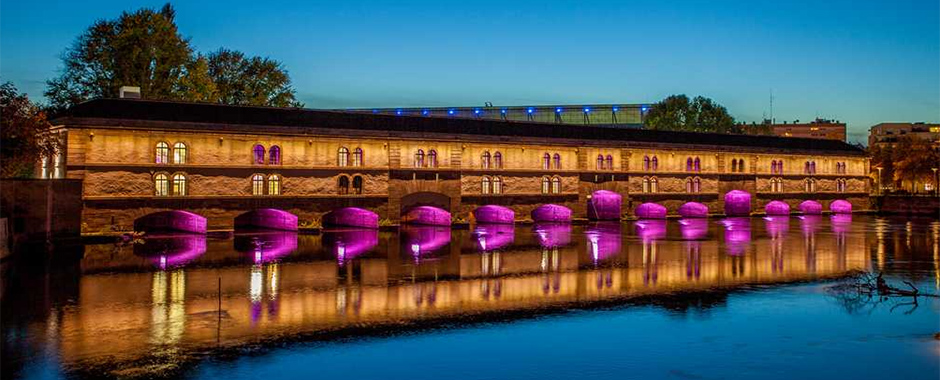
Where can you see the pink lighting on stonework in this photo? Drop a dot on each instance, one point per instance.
(351, 217)
(493, 214)
(267, 218)
(737, 203)
(347, 244)
(811, 207)
(840, 206)
(492, 237)
(650, 230)
(552, 213)
(693, 210)
(427, 215)
(171, 221)
(258, 152)
(693, 229)
(266, 247)
(650, 211)
(603, 240)
(552, 235)
(737, 235)
(604, 205)
(778, 208)
(171, 250)
(423, 241)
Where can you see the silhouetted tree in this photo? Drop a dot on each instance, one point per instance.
(244, 80)
(678, 113)
(24, 134)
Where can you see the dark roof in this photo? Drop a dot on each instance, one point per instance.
(181, 112)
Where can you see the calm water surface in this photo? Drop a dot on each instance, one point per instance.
(708, 299)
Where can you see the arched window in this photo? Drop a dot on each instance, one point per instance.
(610, 162)
(600, 162)
(557, 161)
(556, 185)
(179, 153)
(654, 163)
(257, 184)
(773, 167)
(342, 156)
(274, 155)
(274, 184)
(179, 185)
(497, 160)
(432, 158)
(357, 184)
(258, 152)
(646, 184)
(688, 185)
(419, 158)
(497, 185)
(809, 185)
(780, 166)
(688, 164)
(485, 185)
(485, 159)
(697, 185)
(161, 185)
(546, 185)
(357, 157)
(162, 153)
(812, 167)
(646, 163)
(654, 185)
(698, 165)
(343, 185)
(546, 161)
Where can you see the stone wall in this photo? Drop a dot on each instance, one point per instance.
(41, 210)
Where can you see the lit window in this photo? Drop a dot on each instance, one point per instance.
(654, 164)
(179, 184)
(274, 155)
(358, 157)
(274, 184)
(557, 161)
(688, 164)
(610, 162)
(258, 153)
(654, 185)
(556, 185)
(179, 153)
(546, 161)
(432, 158)
(646, 184)
(357, 184)
(342, 157)
(161, 185)
(486, 185)
(257, 184)
(497, 160)
(419, 158)
(698, 165)
(646, 163)
(546, 185)
(162, 153)
(600, 162)
(497, 185)
(697, 185)
(343, 185)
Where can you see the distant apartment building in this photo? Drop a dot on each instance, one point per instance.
(816, 129)
(889, 133)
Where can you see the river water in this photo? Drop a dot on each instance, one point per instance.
(699, 299)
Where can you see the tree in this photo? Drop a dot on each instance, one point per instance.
(24, 134)
(916, 158)
(701, 114)
(240, 80)
(145, 49)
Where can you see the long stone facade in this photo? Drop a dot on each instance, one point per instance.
(207, 156)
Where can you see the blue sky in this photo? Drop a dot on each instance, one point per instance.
(856, 61)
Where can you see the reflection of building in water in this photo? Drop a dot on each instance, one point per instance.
(548, 267)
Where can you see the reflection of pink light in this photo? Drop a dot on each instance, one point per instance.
(552, 235)
(810, 223)
(266, 247)
(427, 215)
(841, 223)
(424, 240)
(650, 230)
(811, 207)
(603, 240)
(737, 203)
(778, 208)
(174, 250)
(490, 237)
(777, 225)
(493, 214)
(737, 235)
(604, 205)
(650, 211)
(693, 229)
(172, 221)
(347, 244)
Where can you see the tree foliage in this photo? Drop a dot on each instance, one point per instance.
(915, 159)
(701, 114)
(145, 48)
(242, 80)
(24, 134)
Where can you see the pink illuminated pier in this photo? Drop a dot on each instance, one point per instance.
(427, 215)
(840, 206)
(777, 208)
(811, 207)
(551, 213)
(171, 221)
(604, 205)
(738, 203)
(493, 214)
(651, 211)
(351, 217)
(267, 219)
(693, 210)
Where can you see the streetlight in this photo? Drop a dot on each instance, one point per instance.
(936, 189)
(880, 188)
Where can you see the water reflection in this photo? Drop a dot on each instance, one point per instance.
(347, 278)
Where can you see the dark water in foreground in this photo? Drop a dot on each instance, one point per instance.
(725, 298)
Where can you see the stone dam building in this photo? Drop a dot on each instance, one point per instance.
(138, 158)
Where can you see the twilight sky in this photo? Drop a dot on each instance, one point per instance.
(862, 62)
